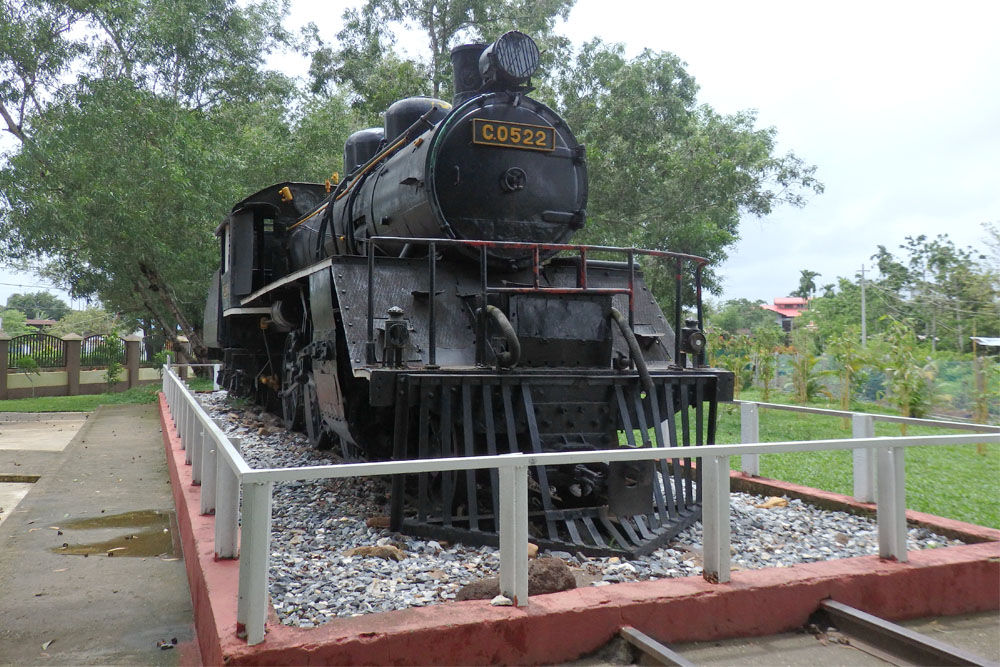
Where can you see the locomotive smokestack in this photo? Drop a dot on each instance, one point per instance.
(465, 65)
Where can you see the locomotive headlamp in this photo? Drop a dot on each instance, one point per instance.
(692, 339)
(513, 58)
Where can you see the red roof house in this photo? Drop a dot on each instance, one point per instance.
(787, 308)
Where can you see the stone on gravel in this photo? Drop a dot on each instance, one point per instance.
(386, 552)
(545, 575)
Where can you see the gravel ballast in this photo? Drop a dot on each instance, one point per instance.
(316, 524)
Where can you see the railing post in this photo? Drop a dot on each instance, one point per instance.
(750, 434)
(215, 376)
(715, 518)
(863, 426)
(188, 418)
(892, 503)
(255, 550)
(227, 505)
(197, 440)
(209, 471)
(514, 533)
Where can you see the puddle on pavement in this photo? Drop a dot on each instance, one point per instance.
(153, 534)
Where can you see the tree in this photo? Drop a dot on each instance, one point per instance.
(28, 365)
(807, 284)
(367, 37)
(840, 309)
(38, 305)
(735, 315)
(126, 161)
(12, 323)
(674, 175)
(767, 341)
(849, 359)
(909, 375)
(805, 381)
(90, 322)
(733, 353)
(950, 291)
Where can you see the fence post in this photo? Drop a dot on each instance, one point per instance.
(73, 344)
(255, 549)
(197, 441)
(715, 518)
(132, 359)
(749, 434)
(514, 533)
(227, 506)
(4, 368)
(209, 471)
(188, 413)
(215, 376)
(892, 503)
(863, 426)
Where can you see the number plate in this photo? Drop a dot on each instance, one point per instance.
(513, 135)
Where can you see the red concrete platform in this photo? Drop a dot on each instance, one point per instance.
(562, 626)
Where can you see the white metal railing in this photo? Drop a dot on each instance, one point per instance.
(207, 448)
(216, 368)
(862, 426)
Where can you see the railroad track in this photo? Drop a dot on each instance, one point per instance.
(832, 623)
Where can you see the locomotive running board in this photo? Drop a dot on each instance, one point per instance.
(454, 411)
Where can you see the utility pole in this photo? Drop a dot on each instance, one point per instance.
(864, 319)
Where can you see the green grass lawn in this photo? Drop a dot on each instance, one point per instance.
(143, 394)
(951, 481)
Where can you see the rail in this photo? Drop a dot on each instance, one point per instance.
(219, 468)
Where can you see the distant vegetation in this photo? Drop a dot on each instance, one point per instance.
(922, 310)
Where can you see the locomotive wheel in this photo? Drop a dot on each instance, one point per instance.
(292, 394)
(319, 436)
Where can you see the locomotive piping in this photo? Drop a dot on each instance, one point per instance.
(633, 348)
(509, 358)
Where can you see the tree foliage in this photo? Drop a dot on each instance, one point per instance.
(674, 175)
(38, 305)
(946, 291)
(807, 284)
(736, 315)
(89, 322)
(12, 322)
(139, 131)
(364, 58)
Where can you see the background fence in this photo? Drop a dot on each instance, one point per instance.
(38, 364)
(951, 389)
(102, 350)
(47, 351)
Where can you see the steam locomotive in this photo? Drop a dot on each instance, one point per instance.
(429, 304)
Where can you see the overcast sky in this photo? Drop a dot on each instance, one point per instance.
(898, 103)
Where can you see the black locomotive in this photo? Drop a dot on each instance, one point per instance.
(429, 305)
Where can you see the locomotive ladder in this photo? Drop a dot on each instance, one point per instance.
(468, 414)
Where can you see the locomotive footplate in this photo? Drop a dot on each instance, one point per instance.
(598, 509)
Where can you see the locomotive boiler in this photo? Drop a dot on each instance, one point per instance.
(430, 304)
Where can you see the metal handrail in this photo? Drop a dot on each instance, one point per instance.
(207, 448)
(535, 248)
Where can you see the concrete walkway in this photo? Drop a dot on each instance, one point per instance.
(90, 566)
